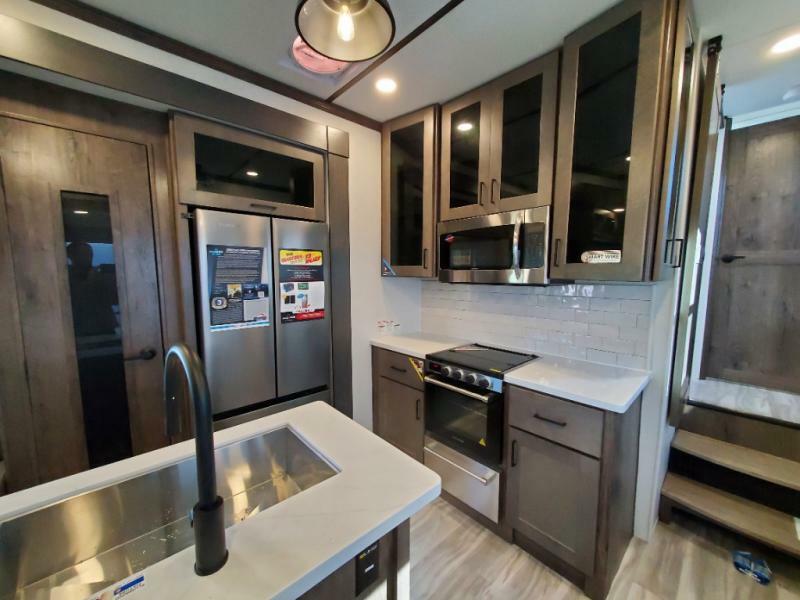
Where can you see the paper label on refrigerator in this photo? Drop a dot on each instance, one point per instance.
(238, 297)
(302, 285)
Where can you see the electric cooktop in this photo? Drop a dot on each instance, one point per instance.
(482, 358)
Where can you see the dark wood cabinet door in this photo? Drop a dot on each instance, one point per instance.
(611, 118)
(552, 497)
(523, 136)
(466, 146)
(408, 191)
(80, 229)
(399, 414)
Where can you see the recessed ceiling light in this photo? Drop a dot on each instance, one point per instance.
(81, 212)
(465, 126)
(787, 44)
(386, 85)
(628, 158)
(251, 173)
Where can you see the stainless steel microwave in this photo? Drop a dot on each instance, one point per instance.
(509, 247)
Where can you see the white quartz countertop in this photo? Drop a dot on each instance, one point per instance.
(608, 387)
(291, 546)
(416, 344)
(602, 386)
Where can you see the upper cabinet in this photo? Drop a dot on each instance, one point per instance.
(409, 153)
(615, 79)
(223, 167)
(498, 143)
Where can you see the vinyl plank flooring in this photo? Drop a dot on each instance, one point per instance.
(452, 556)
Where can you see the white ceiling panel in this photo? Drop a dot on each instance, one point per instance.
(256, 34)
(754, 78)
(474, 43)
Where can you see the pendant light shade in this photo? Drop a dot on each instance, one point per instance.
(346, 30)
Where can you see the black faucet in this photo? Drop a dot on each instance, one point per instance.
(182, 367)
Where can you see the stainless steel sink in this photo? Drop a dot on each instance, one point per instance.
(86, 543)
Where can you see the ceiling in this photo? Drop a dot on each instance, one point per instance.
(754, 78)
(475, 42)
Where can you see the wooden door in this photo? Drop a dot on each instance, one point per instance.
(408, 192)
(753, 324)
(399, 418)
(466, 146)
(612, 114)
(552, 497)
(79, 224)
(523, 136)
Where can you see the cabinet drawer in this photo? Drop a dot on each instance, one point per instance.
(567, 423)
(399, 368)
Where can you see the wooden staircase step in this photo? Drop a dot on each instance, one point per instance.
(777, 470)
(766, 525)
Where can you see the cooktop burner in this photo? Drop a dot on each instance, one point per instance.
(482, 358)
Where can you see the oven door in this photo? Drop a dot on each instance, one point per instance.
(508, 247)
(467, 419)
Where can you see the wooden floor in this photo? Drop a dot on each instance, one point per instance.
(454, 557)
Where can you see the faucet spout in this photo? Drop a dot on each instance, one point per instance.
(184, 370)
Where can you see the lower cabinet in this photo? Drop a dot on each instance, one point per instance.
(552, 497)
(571, 484)
(398, 401)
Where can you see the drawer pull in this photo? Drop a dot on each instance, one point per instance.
(513, 453)
(418, 411)
(398, 369)
(549, 420)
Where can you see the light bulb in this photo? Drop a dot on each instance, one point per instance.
(345, 28)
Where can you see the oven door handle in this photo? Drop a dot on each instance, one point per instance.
(483, 480)
(515, 257)
(485, 398)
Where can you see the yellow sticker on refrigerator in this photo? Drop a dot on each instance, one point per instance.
(302, 285)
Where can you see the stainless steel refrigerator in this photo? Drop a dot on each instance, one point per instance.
(262, 288)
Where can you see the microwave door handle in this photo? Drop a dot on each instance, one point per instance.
(515, 248)
(485, 398)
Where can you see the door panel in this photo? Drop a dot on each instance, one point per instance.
(466, 144)
(552, 497)
(399, 416)
(523, 136)
(81, 232)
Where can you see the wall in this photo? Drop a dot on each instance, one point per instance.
(372, 299)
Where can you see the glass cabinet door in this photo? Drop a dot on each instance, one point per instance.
(408, 195)
(466, 124)
(523, 136)
(228, 168)
(606, 175)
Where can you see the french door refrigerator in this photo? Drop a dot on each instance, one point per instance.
(263, 294)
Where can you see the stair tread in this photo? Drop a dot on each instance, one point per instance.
(767, 525)
(755, 463)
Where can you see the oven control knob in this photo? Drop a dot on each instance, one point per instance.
(447, 371)
(459, 374)
(483, 381)
(471, 378)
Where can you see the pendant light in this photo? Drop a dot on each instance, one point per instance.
(346, 30)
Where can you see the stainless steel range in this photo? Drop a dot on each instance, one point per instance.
(464, 421)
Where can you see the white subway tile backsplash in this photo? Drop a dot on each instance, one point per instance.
(604, 323)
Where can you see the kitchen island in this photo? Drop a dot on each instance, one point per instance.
(308, 539)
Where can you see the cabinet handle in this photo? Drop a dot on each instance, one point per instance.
(513, 453)
(417, 408)
(729, 258)
(424, 258)
(491, 195)
(398, 369)
(145, 354)
(549, 420)
(481, 188)
(556, 252)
